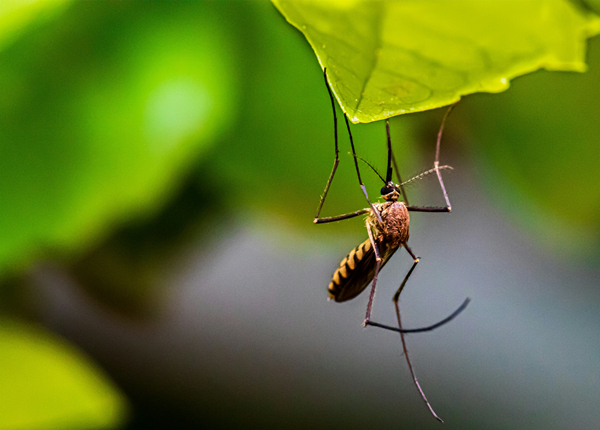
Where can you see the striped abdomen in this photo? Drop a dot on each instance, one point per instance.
(356, 271)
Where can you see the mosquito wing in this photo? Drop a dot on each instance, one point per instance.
(356, 271)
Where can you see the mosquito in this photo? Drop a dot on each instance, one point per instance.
(387, 226)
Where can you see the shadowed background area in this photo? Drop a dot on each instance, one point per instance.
(162, 164)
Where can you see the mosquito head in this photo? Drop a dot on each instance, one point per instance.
(390, 192)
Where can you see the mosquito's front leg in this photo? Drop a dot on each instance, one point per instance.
(337, 152)
(393, 159)
(340, 217)
(362, 186)
(335, 165)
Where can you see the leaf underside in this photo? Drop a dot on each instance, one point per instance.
(389, 58)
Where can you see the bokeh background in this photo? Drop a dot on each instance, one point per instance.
(161, 164)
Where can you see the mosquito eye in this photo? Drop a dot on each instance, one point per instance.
(386, 190)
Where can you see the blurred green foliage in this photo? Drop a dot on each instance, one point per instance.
(127, 128)
(17, 17)
(100, 113)
(46, 383)
(537, 148)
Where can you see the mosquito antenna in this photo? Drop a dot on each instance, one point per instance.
(426, 173)
(446, 320)
(372, 168)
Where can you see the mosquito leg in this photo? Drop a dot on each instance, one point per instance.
(318, 220)
(396, 297)
(362, 186)
(368, 316)
(388, 172)
(337, 152)
(436, 163)
(396, 305)
(446, 320)
(340, 217)
(415, 262)
(393, 158)
(374, 283)
(412, 372)
(437, 168)
(428, 209)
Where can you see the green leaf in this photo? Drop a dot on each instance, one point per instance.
(101, 114)
(387, 58)
(47, 384)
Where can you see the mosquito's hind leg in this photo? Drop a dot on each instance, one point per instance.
(397, 306)
(415, 262)
(399, 329)
(396, 297)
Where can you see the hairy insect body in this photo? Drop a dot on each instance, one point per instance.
(356, 271)
(394, 230)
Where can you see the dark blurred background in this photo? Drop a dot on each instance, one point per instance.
(161, 167)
